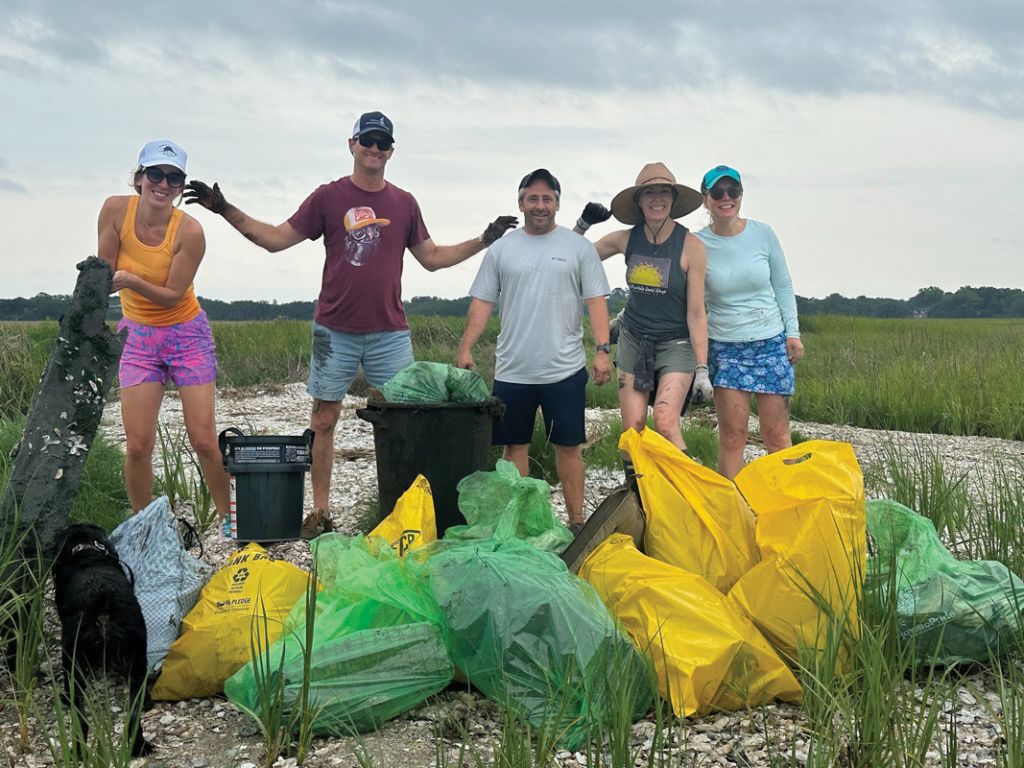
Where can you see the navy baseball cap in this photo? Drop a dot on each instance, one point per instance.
(544, 175)
(373, 121)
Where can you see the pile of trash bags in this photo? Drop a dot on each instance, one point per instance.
(737, 579)
(732, 585)
(389, 619)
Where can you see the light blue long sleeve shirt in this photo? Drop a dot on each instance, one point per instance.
(748, 289)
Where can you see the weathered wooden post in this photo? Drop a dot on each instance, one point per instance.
(47, 464)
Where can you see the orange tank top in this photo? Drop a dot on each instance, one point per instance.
(152, 263)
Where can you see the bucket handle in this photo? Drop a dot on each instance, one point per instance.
(309, 435)
(222, 438)
(372, 416)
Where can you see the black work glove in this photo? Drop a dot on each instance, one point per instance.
(497, 228)
(593, 213)
(211, 199)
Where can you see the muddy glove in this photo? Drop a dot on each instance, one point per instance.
(211, 199)
(593, 213)
(702, 389)
(497, 228)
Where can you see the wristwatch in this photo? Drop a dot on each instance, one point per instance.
(603, 348)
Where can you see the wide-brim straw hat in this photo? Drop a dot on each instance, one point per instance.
(624, 205)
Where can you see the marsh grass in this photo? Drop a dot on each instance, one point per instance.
(978, 512)
(271, 718)
(286, 725)
(102, 498)
(916, 476)
(995, 524)
(109, 744)
(957, 377)
(367, 514)
(180, 477)
(24, 350)
(29, 635)
(1010, 688)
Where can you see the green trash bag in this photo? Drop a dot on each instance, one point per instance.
(504, 505)
(534, 637)
(952, 610)
(377, 647)
(427, 382)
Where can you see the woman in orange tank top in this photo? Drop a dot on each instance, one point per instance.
(155, 250)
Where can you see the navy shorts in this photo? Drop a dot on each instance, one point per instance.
(561, 404)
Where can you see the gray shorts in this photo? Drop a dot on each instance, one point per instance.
(669, 356)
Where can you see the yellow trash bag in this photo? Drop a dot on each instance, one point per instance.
(707, 653)
(411, 523)
(696, 519)
(245, 602)
(811, 530)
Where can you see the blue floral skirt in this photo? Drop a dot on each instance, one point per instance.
(751, 366)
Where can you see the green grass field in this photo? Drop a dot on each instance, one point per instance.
(958, 377)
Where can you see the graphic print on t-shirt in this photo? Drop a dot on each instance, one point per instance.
(362, 233)
(648, 274)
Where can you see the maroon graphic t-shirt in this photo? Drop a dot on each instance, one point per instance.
(365, 236)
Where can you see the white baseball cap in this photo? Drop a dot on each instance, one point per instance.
(162, 152)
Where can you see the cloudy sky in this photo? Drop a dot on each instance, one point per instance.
(881, 140)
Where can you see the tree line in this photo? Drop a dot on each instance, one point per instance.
(928, 302)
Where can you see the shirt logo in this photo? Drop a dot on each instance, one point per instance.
(362, 233)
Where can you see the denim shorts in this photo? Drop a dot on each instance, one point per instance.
(183, 353)
(752, 366)
(561, 405)
(337, 356)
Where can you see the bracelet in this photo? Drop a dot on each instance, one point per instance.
(581, 224)
(700, 368)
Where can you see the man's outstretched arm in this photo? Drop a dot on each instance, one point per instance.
(266, 236)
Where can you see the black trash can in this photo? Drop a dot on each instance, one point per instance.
(268, 474)
(444, 442)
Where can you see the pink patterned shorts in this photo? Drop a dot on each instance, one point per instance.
(183, 353)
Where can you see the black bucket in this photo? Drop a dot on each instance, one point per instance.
(444, 442)
(268, 474)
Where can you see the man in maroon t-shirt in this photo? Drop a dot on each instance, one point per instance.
(367, 225)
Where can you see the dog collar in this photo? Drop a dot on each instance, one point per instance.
(90, 545)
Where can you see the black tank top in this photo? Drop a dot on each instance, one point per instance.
(656, 307)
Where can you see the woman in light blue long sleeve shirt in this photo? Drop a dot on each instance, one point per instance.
(753, 330)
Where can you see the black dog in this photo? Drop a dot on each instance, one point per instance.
(102, 629)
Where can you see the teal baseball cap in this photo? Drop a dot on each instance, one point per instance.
(717, 173)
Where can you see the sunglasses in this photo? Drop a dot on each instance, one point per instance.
(384, 143)
(733, 191)
(174, 178)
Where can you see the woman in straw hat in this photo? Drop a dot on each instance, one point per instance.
(662, 346)
(752, 321)
(155, 249)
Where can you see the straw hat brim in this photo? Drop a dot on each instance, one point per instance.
(625, 209)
